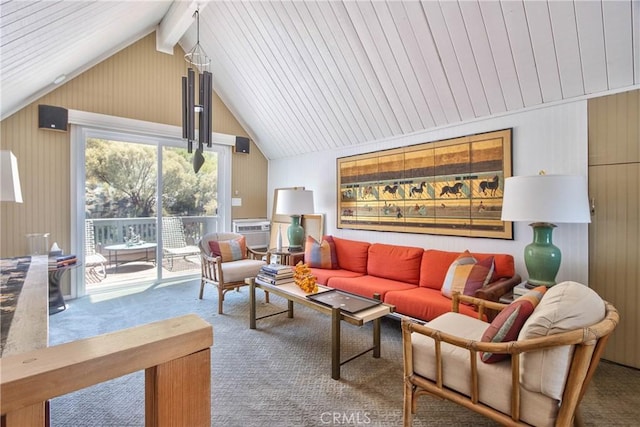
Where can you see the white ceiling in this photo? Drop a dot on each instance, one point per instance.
(304, 76)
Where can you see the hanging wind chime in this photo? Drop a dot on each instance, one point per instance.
(202, 111)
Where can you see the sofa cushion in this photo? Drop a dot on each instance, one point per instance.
(323, 275)
(494, 380)
(368, 285)
(424, 303)
(466, 275)
(352, 254)
(320, 254)
(564, 307)
(229, 250)
(508, 323)
(395, 262)
(435, 264)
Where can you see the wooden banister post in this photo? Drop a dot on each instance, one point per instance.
(179, 392)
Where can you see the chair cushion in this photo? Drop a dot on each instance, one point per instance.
(564, 307)
(507, 324)
(229, 250)
(237, 271)
(494, 380)
(466, 275)
(320, 255)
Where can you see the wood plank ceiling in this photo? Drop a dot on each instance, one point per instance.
(306, 76)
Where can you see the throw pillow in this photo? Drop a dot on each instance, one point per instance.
(229, 250)
(319, 255)
(466, 275)
(507, 324)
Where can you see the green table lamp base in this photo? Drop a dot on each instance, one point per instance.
(541, 257)
(295, 232)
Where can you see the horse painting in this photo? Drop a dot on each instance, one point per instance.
(366, 192)
(454, 189)
(492, 186)
(391, 189)
(418, 190)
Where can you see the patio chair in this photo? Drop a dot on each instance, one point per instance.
(230, 266)
(538, 377)
(174, 242)
(95, 262)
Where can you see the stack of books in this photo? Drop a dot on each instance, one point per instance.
(275, 274)
(62, 260)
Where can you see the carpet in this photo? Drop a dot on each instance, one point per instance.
(280, 373)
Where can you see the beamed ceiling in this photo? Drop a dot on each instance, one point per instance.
(306, 76)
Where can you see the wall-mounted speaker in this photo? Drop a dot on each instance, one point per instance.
(50, 117)
(242, 144)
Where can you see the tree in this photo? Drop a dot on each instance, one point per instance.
(122, 178)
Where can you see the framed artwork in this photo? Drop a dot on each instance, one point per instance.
(450, 187)
(313, 225)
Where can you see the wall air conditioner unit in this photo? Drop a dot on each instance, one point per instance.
(256, 231)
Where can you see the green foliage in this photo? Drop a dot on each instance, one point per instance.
(121, 181)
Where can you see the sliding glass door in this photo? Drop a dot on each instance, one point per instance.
(145, 209)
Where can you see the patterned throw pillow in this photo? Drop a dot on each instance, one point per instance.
(466, 275)
(320, 255)
(229, 250)
(507, 324)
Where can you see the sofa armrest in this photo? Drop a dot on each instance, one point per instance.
(494, 290)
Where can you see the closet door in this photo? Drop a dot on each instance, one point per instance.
(614, 233)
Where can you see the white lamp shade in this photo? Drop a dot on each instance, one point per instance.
(294, 202)
(546, 198)
(10, 190)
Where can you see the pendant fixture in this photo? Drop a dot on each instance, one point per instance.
(202, 112)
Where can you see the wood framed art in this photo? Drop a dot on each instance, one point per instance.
(450, 187)
(313, 225)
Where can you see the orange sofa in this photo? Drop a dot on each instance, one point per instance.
(410, 278)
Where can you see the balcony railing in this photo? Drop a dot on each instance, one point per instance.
(110, 231)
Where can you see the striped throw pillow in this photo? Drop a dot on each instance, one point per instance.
(466, 275)
(229, 250)
(507, 324)
(320, 254)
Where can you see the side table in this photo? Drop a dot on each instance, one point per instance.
(286, 257)
(56, 300)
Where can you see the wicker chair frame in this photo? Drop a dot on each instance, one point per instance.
(589, 344)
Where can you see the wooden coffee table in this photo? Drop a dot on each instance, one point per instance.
(293, 294)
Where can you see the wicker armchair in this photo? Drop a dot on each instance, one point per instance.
(541, 383)
(95, 262)
(226, 275)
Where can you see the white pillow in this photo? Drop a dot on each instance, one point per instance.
(564, 307)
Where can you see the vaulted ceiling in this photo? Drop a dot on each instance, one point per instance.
(305, 76)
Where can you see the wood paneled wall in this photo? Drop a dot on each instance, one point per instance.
(139, 83)
(614, 234)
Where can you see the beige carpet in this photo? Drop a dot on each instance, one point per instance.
(279, 374)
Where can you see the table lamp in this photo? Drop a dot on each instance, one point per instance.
(294, 203)
(545, 200)
(10, 190)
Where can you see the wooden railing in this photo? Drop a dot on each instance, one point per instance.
(174, 353)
